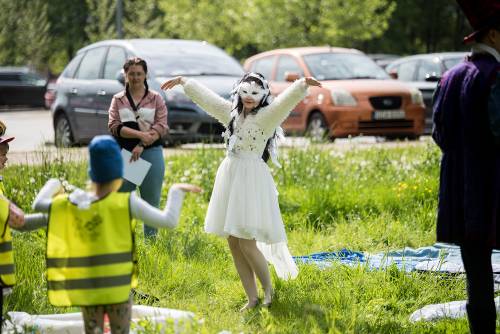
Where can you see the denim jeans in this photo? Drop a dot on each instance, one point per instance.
(150, 189)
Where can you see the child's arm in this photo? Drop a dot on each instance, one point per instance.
(273, 115)
(208, 100)
(33, 221)
(12, 215)
(44, 197)
(169, 217)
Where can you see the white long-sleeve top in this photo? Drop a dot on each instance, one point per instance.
(140, 209)
(253, 131)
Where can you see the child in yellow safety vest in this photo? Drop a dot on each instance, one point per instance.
(10, 216)
(91, 260)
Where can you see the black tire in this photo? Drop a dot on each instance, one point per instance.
(317, 129)
(63, 136)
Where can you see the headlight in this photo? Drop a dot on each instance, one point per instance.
(176, 95)
(342, 97)
(416, 96)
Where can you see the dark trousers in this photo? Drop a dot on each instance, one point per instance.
(481, 309)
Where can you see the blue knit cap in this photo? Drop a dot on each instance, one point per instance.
(106, 163)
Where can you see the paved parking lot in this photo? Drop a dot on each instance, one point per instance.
(34, 133)
(31, 127)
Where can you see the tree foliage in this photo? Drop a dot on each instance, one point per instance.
(47, 33)
(24, 38)
(101, 20)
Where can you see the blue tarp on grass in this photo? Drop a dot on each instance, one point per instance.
(439, 257)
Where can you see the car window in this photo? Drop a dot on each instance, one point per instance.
(33, 79)
(114, 62)
(10, 77)
(69, 71)
(91, 64)
(450, 62)
(343, 66)
(428, 68)
(406, 71)
(287, 64)
(264, 66)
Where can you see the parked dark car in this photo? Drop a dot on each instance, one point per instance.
(423, 72)
(21, 86)
(87, 84)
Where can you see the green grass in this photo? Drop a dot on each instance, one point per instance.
(368, 200)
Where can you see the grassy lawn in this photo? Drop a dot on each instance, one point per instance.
(369, 200)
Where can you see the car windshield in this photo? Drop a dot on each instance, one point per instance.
(343, 66)
(193, 64)
(450, 62)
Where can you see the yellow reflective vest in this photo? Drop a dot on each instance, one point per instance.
(7, 277)
(91, 252)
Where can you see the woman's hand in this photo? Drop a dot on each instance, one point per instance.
(136, 153)
(172, 83)
(148, 138)
(310, 81)
(187, 187)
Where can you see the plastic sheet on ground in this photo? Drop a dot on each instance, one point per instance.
(72, 323)
(439, 257)
(453, 310)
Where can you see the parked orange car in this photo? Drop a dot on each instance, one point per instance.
(357, 98)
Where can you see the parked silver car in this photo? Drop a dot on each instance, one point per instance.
(423, 72)
(87, 84)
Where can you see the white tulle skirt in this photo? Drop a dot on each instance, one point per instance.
(244, 204)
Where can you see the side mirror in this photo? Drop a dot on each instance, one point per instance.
(120, 76)
(432, 77)
(291, 76)
(393, 74)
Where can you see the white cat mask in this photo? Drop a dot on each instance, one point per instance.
(252, 90)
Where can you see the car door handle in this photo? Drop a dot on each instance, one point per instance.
(73, 91)
(101, 92)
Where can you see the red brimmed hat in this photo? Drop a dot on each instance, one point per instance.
(481, 14)
(3, 139)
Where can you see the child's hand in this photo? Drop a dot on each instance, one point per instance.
(172, 83)
(16, 216)
(187, 187)
(310, 81)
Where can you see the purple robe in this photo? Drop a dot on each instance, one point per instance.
(466, 130)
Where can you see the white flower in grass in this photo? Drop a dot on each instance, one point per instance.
(32, 180)
(187, 172)
(183, 179)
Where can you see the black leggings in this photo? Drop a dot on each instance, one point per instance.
(480, 304)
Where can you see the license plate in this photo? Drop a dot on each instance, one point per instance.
(388, 114)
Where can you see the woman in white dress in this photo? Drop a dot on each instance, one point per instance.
(244, 204)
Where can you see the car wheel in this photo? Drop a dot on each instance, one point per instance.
(317, 129)
(63, 134)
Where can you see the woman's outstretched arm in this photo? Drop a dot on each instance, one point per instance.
(204, 97)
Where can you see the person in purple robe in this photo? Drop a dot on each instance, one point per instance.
(466, 116)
